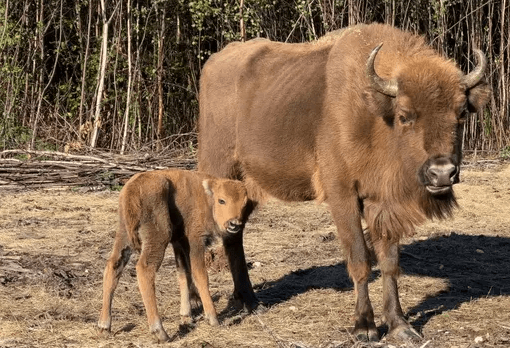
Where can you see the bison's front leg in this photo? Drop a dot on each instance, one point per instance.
(388, 258)
(243, 291)
(348, 221)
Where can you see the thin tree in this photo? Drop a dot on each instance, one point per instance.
(159, 133)
(84, 65)
(41, 96)
(130, 79)
(104, 61)
(241, 21)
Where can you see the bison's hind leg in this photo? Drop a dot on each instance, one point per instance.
(115, 265)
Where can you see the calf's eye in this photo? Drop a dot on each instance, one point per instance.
(221, 201)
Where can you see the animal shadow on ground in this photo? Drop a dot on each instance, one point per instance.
(474, 266)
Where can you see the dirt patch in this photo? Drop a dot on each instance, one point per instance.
(454, 286)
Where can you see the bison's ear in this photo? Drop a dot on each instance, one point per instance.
(478, 96)
(381, 105)
(207, 184)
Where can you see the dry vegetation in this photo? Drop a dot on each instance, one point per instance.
(454, 285)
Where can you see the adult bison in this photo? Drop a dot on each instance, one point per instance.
(374, 131)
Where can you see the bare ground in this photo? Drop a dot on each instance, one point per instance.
(454, 288)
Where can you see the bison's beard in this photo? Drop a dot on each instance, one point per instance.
(438, 206)
(393, 220)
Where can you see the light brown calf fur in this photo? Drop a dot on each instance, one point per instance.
(375, 132)
(178, 207)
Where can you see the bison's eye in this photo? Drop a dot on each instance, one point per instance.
(221, 201)
(405, 120)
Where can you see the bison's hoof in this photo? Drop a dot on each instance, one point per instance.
(259, 308)
(247, 299)
(406, 333)
(367, 336)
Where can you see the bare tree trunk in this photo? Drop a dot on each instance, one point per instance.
(41, 73)
(84, 68)
(502, 79)
(50, 78)
(159, 133)
(130, 78)
(8, 102)
(354, 12)
(178, 34)
(100, 89)
(6, 17)
(241, 22)
(137, 122)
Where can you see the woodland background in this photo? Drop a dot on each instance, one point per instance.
(122, 75)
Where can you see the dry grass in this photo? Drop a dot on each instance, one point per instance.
(454, 287)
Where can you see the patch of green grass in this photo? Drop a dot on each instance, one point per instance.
(116, 187)
(505, 152)
(21, 157)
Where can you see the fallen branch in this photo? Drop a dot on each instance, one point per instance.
(42, 169)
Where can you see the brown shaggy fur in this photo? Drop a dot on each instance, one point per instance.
(305, 121)
(186, 209)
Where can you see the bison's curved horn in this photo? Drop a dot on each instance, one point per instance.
(390, 88)
(476, 75)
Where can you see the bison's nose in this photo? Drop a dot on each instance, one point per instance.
(441, 177)
(234, 226)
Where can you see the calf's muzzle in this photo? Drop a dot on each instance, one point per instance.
(234, 226)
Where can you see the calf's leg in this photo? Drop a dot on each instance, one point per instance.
(348, 222)
(118, 259)
(201, 280)
(150, 260)
(184, 279)
(388, 257)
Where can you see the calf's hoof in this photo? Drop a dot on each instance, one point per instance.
(186, 320)
(104, 326)
(161, 335)
(213, 320)
(406, 333)
(248, 300)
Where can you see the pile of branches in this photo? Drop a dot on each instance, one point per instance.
(98, 170)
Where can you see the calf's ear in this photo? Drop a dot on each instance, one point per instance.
(478, 96)
(207, 184)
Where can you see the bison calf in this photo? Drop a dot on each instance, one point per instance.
(178, 207)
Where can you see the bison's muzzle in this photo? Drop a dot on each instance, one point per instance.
(439, 174)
